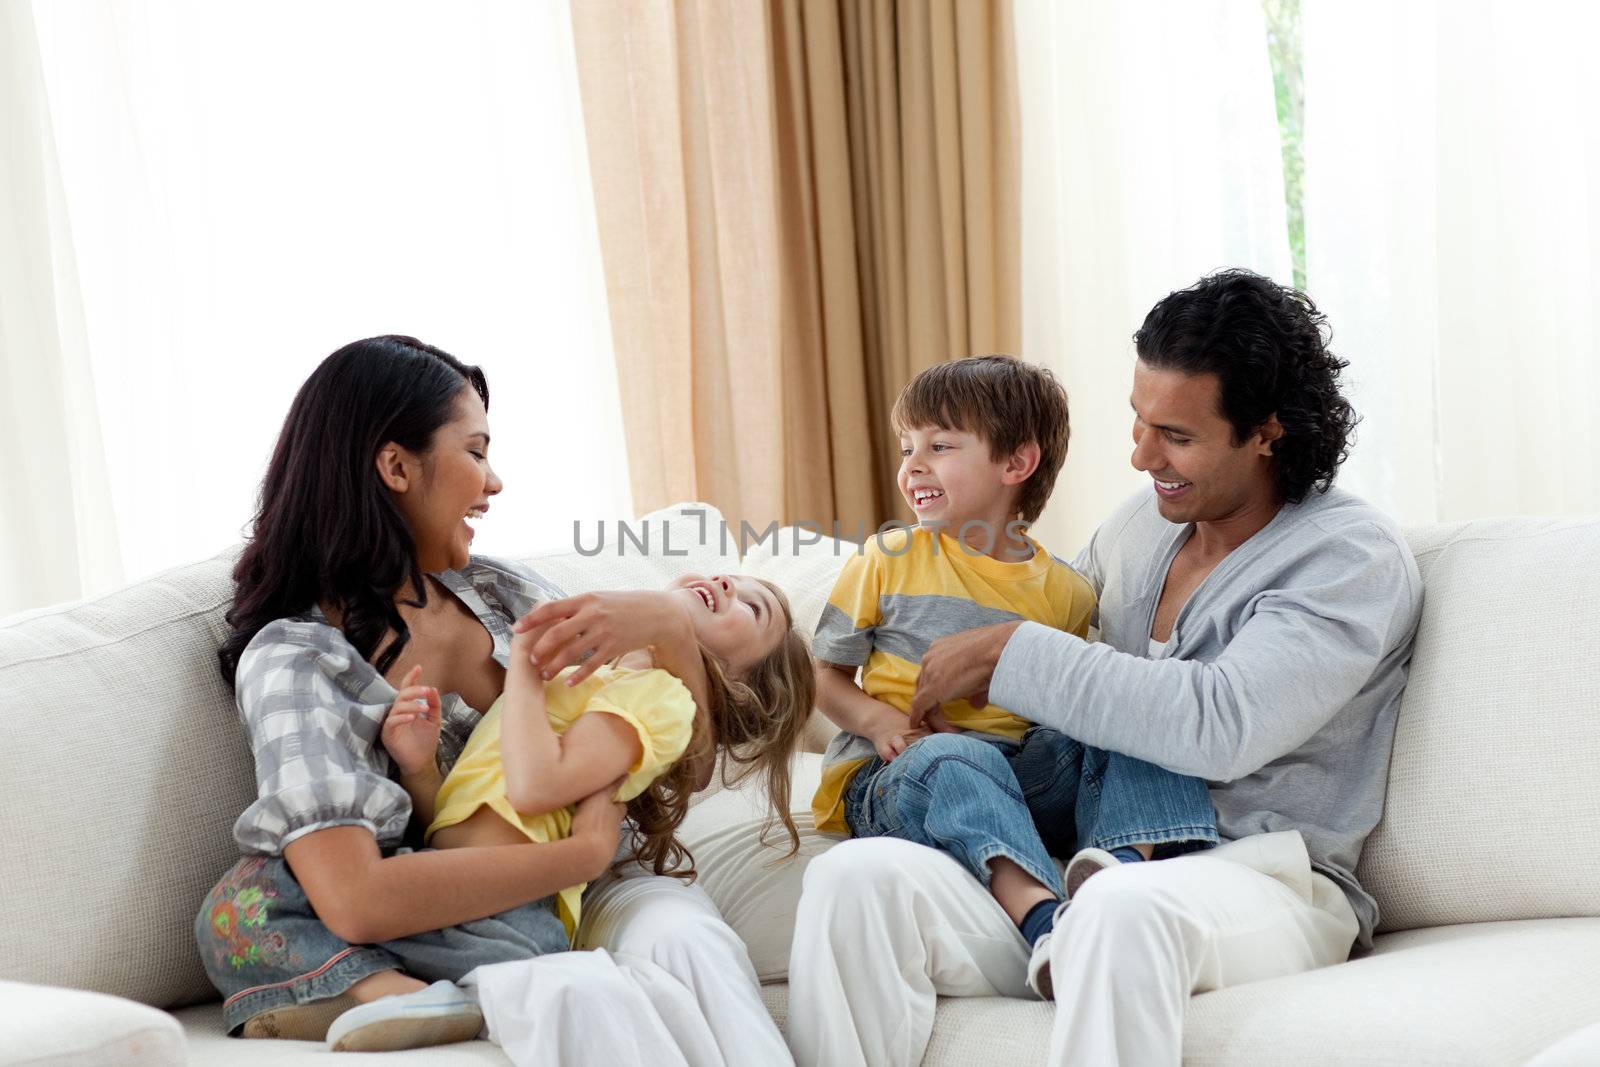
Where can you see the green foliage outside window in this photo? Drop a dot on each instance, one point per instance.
(1283, 45)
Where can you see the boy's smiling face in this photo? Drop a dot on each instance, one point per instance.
(950, 477)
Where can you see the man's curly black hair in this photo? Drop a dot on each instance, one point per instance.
(1268, 346)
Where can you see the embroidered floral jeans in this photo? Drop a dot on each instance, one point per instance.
(264, 948)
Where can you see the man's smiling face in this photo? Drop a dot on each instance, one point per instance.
(1181, 439)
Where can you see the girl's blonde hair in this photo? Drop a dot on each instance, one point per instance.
(757, 719)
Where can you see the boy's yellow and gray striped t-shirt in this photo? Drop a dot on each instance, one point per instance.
(907, 589)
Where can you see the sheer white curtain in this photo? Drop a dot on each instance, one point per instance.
(252, 185)
(57, 534)
(1453, 236)
(1150, 155)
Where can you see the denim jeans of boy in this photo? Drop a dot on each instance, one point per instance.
(979, 797)
(1083, 797)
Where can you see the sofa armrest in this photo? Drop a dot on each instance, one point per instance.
(64, 1027)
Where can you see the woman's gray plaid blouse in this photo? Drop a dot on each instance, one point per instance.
(313, 709)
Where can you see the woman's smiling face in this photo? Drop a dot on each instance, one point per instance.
(441, 491)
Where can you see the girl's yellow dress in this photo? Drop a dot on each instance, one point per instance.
(653, 701)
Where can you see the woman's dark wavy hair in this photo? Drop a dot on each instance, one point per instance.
(1268, 346)
(326, 529)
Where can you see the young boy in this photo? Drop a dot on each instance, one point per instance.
(981, 442)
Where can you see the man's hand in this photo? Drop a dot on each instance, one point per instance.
(958, 666)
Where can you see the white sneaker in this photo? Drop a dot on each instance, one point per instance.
(1087, 862)
(441, 1014)
(1039, 959)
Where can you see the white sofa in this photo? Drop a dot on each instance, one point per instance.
(124, 767)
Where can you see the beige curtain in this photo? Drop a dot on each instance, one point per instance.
(801, 205)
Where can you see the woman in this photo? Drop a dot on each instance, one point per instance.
(358, 571)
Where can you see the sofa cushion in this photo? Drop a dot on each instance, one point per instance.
(1578, 1049)
(125, 766)
(1491, 812)
(210, 1046)
(50, 1027)
(1487, 993)
(757, 890)
(1480, 993)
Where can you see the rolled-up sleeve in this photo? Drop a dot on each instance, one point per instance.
(853, 612)
(313, 711)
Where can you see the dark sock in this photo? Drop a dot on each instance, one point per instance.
(1041, 918)
(1128, 854)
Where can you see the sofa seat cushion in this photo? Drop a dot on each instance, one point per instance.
(1579, 1049)
(210, 1046)
(1484, 993)
(1479, 993)
(53, 1027)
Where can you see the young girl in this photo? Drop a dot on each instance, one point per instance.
(545, 745)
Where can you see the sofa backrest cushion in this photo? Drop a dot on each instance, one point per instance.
(125, 765)
(1492, 811)
(124, 769)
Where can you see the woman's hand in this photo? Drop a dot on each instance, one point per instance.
(592, 629)
(598, 819)
(411, 726)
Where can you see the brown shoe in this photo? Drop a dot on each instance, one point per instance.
(300, 1022)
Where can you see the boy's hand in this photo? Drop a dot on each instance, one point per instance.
(891, 733)
(411, 726)
(892, 744)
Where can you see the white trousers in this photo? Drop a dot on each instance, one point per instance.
(666, 982)
(885, 926)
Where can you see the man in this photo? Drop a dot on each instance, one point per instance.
(1256, 625)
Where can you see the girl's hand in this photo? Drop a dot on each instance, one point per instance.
(590, 630)
(411, 726)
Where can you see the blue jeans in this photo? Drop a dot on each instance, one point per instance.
(263, 946)
(979, 797)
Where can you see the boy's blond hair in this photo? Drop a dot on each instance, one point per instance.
(1002, 400)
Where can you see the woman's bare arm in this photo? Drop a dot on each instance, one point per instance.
(364, 897)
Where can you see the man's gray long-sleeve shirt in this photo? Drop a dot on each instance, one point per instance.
(1281, 683)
